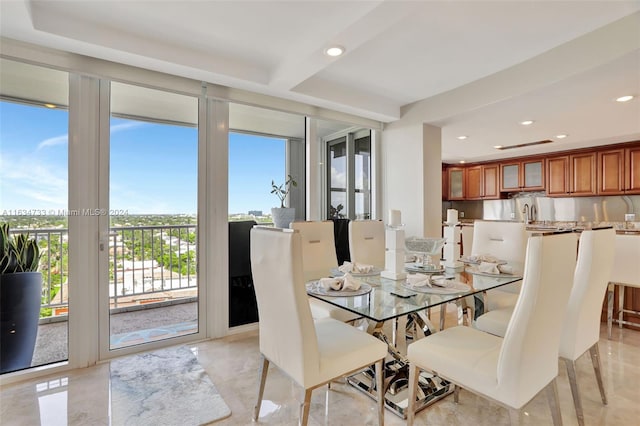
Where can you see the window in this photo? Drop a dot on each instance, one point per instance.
(349, 175)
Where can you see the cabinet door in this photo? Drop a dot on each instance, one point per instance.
(456, 183)
(533, 175)
(558, 176)
(473, 179)
(510, 177)
(583, 174)
(610, 172)
(490, 182)
(632, 178)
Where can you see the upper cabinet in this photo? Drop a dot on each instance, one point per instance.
(456, 183)
(612, 170)
(478, 182)
(481, 182)
(522, 175)
(571, 175)
(632, 170)
(611, 173)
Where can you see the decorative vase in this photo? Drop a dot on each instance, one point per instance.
(283, 216)
(20, 299)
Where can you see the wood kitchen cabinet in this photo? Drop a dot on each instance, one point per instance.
(456, 183)
(523, 175)
(490, 177)
(473, 183)
(481, 182)
(582, 174)
(611, 172)
(573, 175)
(632, 170)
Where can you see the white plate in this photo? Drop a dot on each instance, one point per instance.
(477, 262)
(335, 272)
(452, 288)
(414, 267)
(314, 287)
(474, 270)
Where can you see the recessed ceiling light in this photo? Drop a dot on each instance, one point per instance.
(497, 146)
(624, 98)
(50, 105)
(463, 137)
(462, 161)
(561, 136)
(526, 122)
(334, 51)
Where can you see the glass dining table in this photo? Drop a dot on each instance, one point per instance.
(397, 312)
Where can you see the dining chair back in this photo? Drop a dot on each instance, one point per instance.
(318, 259)
(366, 242)
(625, 273)
(512, 370)
(581, 326)
(318, 248)
(311, 353)
(506, 241)
(242, 297)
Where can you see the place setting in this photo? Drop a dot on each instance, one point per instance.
(436, 284)
(356, 269)
(487, 265)
(344, 286)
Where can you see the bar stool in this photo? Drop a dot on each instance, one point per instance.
(625, 273)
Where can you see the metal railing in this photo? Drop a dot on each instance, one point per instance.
(143, 261)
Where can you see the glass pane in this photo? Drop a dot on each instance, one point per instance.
(153, 204)
(363, 178)
(532, 174)
(338, 179)
(510, 176)
(34, 199)
(455, 183)
(254, 162)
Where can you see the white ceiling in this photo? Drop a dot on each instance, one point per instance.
(474, 68)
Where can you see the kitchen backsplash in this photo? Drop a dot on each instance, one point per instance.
(609, 209)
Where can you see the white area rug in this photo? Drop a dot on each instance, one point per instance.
(163, 388)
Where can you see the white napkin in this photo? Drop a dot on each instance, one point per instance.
(418, 280)
(493, 268)
(483, 258)
(356, 268)
(346, 282)
(444, 282)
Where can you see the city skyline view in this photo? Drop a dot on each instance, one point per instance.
(153, 166)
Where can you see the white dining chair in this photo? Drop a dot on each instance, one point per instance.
(311, 352)
(366, 242)
(513, 370)
(581, 325)
(318, 259)
(625, 273)
(506, 241)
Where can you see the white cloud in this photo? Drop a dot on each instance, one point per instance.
(64, 139)
(54, 141)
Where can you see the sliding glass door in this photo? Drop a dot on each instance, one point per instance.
(34, 164)
(151, 242)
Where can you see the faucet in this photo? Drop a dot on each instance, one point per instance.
(533, 213)
(526, 213)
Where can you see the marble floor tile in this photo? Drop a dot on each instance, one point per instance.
(81, 397)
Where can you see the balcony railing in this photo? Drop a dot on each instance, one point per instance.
(146, 264)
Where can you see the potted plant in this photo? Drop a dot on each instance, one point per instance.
(283, 216)
(20, 299)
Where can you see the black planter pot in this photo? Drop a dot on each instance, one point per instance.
(20, 298)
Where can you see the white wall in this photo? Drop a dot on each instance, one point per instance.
(412, 176)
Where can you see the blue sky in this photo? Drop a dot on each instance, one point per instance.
(153, 167)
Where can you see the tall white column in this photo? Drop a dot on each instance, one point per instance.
(412, 176)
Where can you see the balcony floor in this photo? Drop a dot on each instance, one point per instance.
(127, 328)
